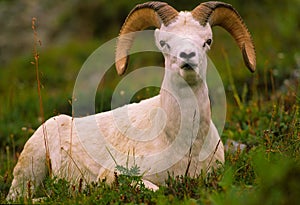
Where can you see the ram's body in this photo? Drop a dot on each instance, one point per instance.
(70, 159)
(170, 133)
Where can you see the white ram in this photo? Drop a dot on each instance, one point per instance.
(174, 123)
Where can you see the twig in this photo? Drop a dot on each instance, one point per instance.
(191, 146)
(42, 115)
(75, 164)
(213, 156)
(231, 82)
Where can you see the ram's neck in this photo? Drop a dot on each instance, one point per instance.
(187, 108)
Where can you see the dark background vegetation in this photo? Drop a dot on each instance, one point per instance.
(71, 30)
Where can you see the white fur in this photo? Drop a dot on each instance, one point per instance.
(86, 147)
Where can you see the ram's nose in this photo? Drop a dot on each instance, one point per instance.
(187, 56)
(188, 60)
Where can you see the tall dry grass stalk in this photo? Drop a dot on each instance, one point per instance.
(37, 42)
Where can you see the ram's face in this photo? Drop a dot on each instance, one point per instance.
(184, 44)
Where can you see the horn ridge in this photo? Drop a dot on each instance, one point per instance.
(204, 11)
(163, 10)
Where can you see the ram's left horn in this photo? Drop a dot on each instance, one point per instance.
(224, 15)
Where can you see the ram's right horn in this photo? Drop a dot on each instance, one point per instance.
(141, 17)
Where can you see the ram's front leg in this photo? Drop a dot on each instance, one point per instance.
(34, 162)
(30, 169)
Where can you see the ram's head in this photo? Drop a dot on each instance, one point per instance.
(184, 37)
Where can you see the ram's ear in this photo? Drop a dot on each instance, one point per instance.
(156, 33)
(157, 37)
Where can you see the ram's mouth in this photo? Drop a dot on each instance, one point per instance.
(188, 66)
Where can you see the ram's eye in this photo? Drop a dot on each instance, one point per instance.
(207, 42)
(162, 43)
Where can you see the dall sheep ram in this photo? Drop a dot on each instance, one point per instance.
(178, 119)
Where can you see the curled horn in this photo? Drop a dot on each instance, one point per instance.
(224, 15)
(141, 17)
